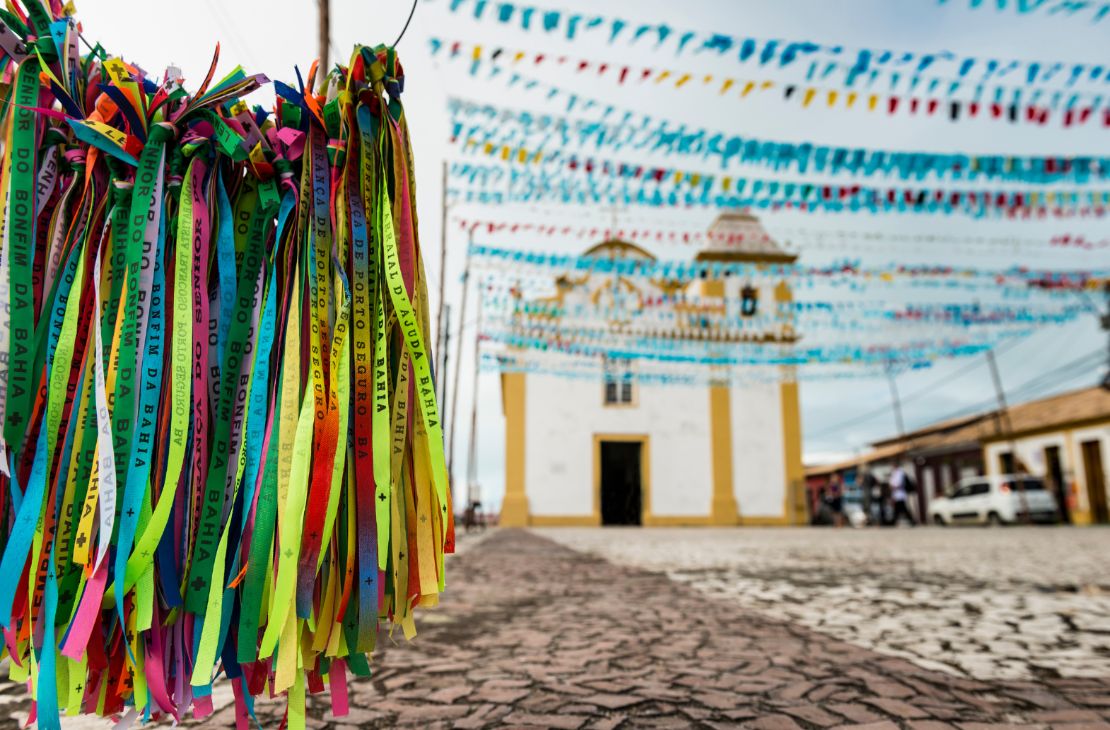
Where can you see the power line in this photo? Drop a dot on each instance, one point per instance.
(1035, 386)
(402, 34)
(926, 390)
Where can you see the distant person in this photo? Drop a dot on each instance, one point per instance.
(820, 508)
(884, 503)
(868, 483)
(836, 500)
(473, 517)
(900, 486)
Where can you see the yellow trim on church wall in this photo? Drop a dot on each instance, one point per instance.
(764, 521)
(723, 509)
(514, 507)
(794, 508)
(564, 520)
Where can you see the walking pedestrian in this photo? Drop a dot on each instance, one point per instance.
(900, 486)
(868, 483)
(836, 500)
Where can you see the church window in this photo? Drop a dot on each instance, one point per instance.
(618, 382)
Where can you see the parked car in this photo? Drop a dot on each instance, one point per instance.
(998, 500)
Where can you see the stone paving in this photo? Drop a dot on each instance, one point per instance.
(984, 603)
(533, 634)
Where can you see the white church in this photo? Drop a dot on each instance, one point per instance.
(628, 451)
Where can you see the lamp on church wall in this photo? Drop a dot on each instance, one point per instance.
(749, 300)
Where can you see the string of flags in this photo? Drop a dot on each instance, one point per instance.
(823, 58)
(1098, 10)
(1014, 104)
(838, 238)
(516, 262)
(628, 184)
(221, 450)
(606, 345)
(499, 131)
(668, 309)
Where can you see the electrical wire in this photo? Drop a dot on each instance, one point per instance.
(402, 34)
(926, 390)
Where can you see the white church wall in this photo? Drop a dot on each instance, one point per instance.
(562, 415)
(758, 464)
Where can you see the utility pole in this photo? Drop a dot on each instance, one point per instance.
(1004, 414)
(896, 401)
(458, 362)
(324, 28)
(1106, 328)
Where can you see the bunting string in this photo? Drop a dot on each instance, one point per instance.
(1016, 104)
(552, 170)
(603, 345)
(626, 184)
(837, 239)
(514, 264)
(508, 134)
(1096, 9)
(776, 53)
(221, 450)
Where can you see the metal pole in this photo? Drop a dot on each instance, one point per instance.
(1004, 413)
(1105, 321)
(897, 402)
(472, 458)
(442, 259)
(324, 29)
(458, 365)
(441, 369)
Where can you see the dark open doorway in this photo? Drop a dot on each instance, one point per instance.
(1055, 471)
(1096, 481)
(621, 489)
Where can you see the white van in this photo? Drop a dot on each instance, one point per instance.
(996, 501)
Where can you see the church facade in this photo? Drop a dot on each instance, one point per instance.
(624, 450)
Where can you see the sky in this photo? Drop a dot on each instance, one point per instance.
(839, 418)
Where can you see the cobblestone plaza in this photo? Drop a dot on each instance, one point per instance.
(764, 628)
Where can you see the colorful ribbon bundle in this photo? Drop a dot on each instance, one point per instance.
(221, 445)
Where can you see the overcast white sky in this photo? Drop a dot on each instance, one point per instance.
(271, 36)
